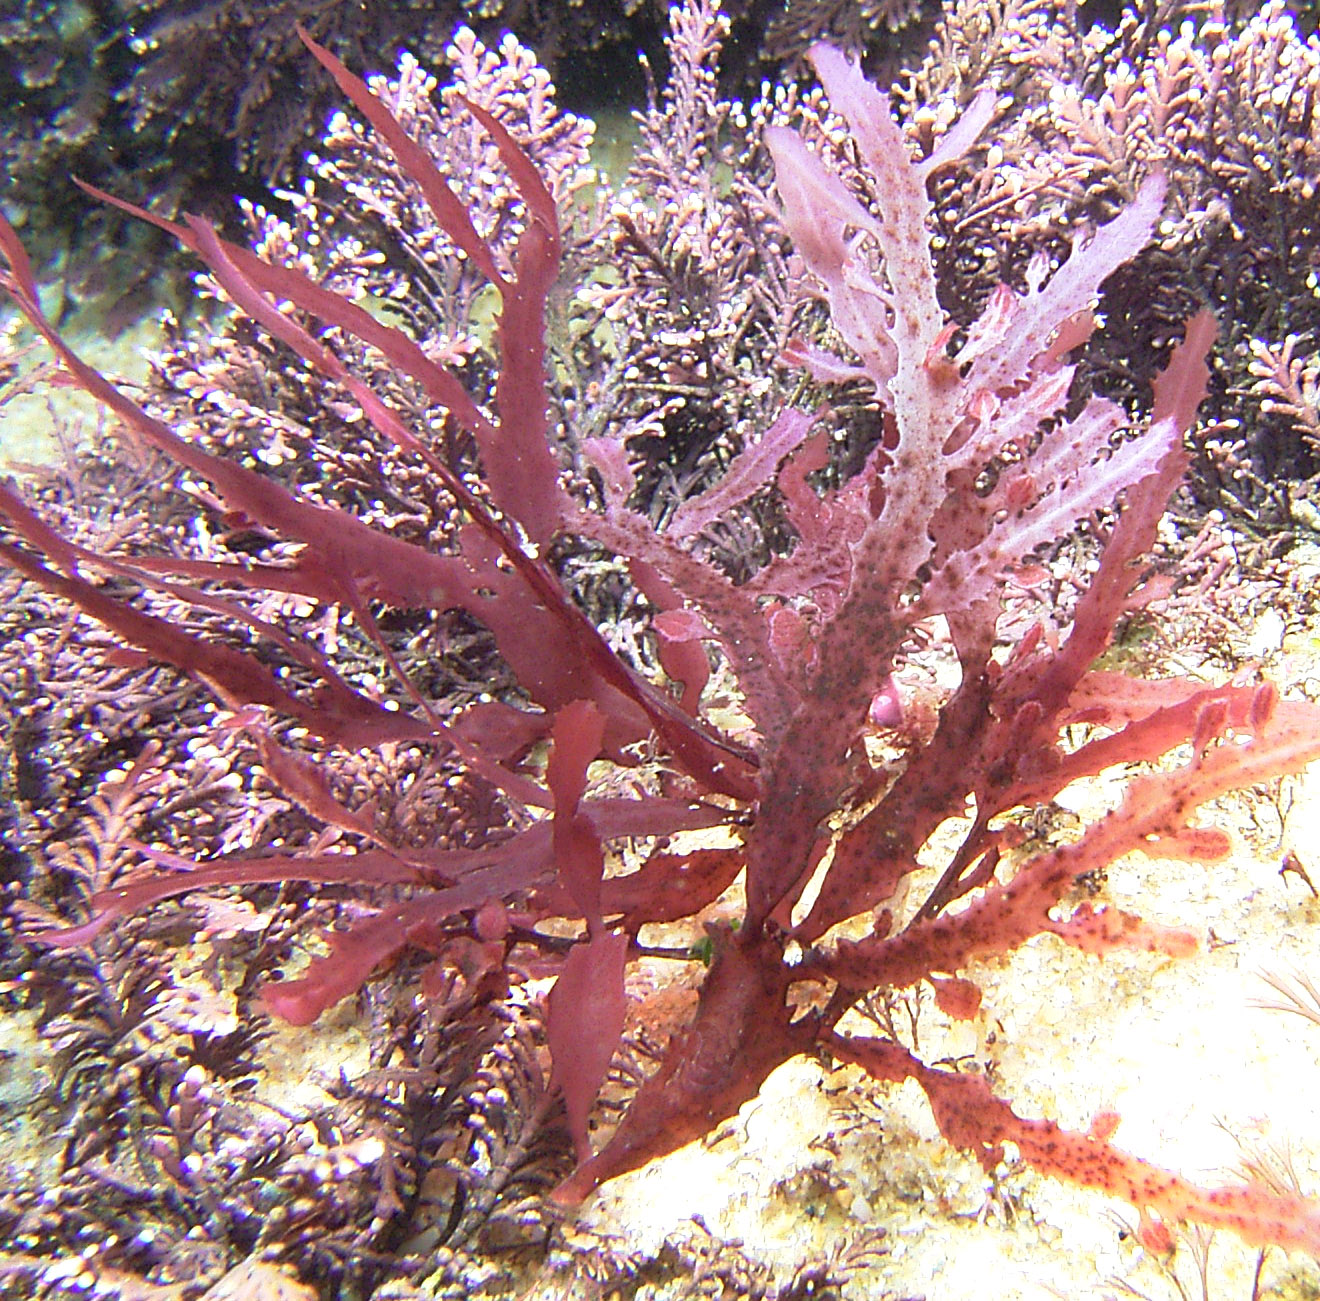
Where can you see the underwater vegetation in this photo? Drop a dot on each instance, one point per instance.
(189, 100)
(530, 592)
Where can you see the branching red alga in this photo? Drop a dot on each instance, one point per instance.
(918, 541)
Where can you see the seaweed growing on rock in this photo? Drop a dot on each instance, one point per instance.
(591, 775)
(1219, 99)
(188, 1156)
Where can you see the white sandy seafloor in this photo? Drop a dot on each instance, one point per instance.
(1200, 1075)
(28, 422)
